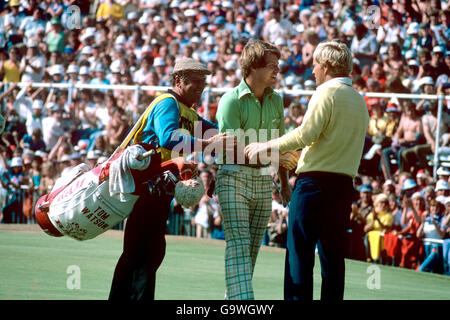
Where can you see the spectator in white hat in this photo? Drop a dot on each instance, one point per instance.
(209, 54)
(443, 173)
(34, 120)
(53, 126)
(442, 188)
(57, 73)
(32, 65)
(72, 71)
(100, 76)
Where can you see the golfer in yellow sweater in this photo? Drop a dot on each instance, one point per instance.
(331, 138)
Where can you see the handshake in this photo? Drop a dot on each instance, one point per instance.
(267, 151)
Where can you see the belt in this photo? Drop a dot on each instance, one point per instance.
(264, 171)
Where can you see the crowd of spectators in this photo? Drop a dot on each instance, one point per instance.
(400, 47)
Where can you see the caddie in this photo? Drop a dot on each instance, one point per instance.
(169, 123)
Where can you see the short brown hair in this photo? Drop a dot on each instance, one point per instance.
(254, 55)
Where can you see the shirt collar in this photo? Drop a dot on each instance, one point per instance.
(244, 89)
(343, 80)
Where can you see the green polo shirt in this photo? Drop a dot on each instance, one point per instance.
(241, 114)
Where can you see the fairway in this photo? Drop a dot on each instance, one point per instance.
(36, 266)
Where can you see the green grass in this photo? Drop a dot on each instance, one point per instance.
(34, 266)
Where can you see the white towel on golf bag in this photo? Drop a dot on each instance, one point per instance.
(121, 182)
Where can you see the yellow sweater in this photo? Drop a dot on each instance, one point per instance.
(332, 132)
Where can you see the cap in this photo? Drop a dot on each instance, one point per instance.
(231, 65)
(189, 64)
(365, 188)
(16, 162)
(65, 158)
(309, 83)
(84, 70)
(441, 185)
(57, 69)
(421, 174)
(91, 155)
(38, 104)
(413, 28)
(410, 54)
(72, 69)
(75, 156)
(416, 195)
(86, 50)
(442, 171)
(219, 20)
(409, 184)
(426, 80)
(438, 49)
(14, 3)
(210, 41)
(159, 62)
(83, 143)
(388, 182)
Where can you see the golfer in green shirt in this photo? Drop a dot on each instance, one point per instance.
(253, 112)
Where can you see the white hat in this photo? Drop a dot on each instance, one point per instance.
(442, 171)
(280, 42)
(410, 54)
(438, 49)
(159, 62)
(441, 185)
(16, 162)
(413, 28)
(132, 15)
(310, 83)
(65, 157)
(91, 155)
(290, 80)
(115, 68)
(38, 104)
(75, 156)
(426, 80)
(180, 28)
(413, 63)
(86, 50)
(195, 39)
(83, 143)
(416, 195)
(84, 70)
(57, 69)
(121, 40)
(210, 40)
(227, 4)
(174, 4)
(72, 68)
(189, 13)
(157, 18)
(231, 65)
(31, 43)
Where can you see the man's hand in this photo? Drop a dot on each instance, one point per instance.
(222, 142)
(289, 159)
(254, 149)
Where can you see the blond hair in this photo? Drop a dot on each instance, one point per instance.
(254, 55)
(336, 56)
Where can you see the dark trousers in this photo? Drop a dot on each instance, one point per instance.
(318, 214)
(143, 250)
